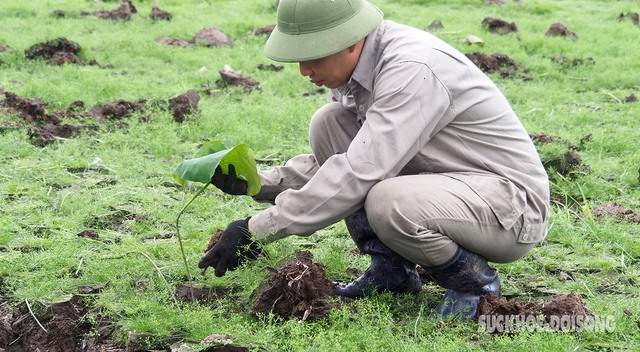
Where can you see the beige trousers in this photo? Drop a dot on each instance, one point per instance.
(423, 217)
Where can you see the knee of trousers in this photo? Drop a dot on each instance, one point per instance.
(385, 217)
(330, 130)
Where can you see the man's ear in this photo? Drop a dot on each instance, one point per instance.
(354, 47)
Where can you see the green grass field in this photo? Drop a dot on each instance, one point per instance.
(117, 181)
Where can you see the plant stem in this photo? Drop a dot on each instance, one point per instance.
(184, 257)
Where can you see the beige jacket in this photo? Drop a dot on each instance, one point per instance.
(424, 108)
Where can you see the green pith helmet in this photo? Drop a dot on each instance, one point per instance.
(312, 29)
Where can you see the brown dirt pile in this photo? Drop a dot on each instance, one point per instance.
(297, 289)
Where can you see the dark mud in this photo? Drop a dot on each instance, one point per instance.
(565, 161)
(56, 52)
(297, 289)
(566, 304)
(184, 105)
(59, 327)
(496, 63)
(159, 14)
(616, 212)
(212, 37)
(264, 30)
(236, 79)
(633, 16)
(215, 237)
(47, 127)
(630, 99)
(435, 25)
(543, 138)
(175, 42)
(203, 295)
(270, 67)
(560, 30)
(498, 26)
(123, 12)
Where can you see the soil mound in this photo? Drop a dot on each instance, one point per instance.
(560, 30)
(56, 52)
(297, 289)
(498, 26)
(495, 62)
(60, 327)
(123, 12)
(616, 212)
(566, 305)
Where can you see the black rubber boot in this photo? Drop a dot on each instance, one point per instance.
(388, 270)
(466, 276)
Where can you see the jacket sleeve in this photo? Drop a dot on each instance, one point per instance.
(410, 105)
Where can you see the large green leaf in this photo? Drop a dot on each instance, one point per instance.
(210, 155)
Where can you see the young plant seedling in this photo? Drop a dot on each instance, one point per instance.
(202, 167)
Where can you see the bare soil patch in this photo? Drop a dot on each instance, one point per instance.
(565, 304)
(203, 295)
(46, 127)
(616, 212)
(60, 327)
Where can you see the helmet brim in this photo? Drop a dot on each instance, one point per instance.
(284, 47)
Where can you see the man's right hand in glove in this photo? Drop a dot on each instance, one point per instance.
(230, 183)
(234, 247)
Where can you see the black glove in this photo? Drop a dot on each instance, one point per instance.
(234, 247)
(230, 183)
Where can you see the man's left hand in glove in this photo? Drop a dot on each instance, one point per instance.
(234, 247)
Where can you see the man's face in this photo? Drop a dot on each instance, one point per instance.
(332, 71)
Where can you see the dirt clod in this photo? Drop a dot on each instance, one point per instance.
(212, 37)
(297, 289)
(270, 67)
(568, 164)
(264, 30)
(56, 52)
(175, 42)
(565, 304)
(116, 110)
(495, 62)
(215, 237)
(123, 12)
(498, 26)
(184, 104)
(232, 78)
(633, 16)
(614, 211)
(435, 26)
(560, 30)
(66, 329)
(158, 14)
(542, 138)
